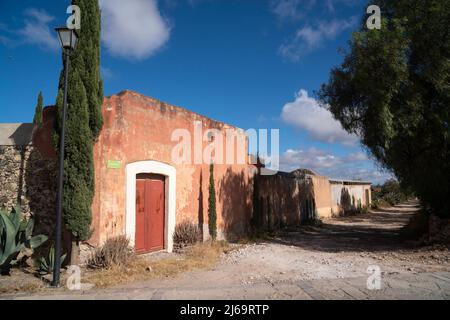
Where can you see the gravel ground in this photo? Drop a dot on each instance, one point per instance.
(323, 262)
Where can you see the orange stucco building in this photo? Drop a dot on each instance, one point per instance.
(140, 136)
(152, 170)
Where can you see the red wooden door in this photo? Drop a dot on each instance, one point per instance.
(150, 210)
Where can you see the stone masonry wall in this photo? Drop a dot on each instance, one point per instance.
(28, 179)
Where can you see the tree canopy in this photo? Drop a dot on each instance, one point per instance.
(393, 90)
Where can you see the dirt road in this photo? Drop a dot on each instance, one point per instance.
(326, 262)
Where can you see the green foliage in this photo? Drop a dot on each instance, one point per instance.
(38, 111)
(256, 219)
(379, 203)
(390, 193)
(86, 59)
(78, 161)
(256, 204)
(84, 121)
(212, 214)
(15, 236)
(46, 263)
(393, 89)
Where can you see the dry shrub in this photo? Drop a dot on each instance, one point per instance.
(115, 252)
(199, 256)
(380, 204)
(186, 233)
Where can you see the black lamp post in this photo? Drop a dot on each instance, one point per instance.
(68, 39)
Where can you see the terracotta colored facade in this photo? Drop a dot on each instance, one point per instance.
(138, 128)
(144, 136)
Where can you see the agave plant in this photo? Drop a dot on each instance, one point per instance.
(46, 263)
(15, 236)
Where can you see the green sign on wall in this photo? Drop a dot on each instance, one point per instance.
(114, 164)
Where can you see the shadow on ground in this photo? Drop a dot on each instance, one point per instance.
(378, 230)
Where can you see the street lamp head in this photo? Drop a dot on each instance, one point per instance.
(67, 37)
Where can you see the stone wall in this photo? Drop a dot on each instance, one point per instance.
(28, 179)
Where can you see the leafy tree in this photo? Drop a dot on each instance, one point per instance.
(393, 89)
(83, 124)
(38, 111)
(212, 214)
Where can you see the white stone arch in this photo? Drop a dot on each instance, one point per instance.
(150, 166)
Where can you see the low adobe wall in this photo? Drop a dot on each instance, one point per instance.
(322, 192)
(346, 196)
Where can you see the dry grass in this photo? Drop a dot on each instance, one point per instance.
(199, 256)
(115, 252)
(21, 288)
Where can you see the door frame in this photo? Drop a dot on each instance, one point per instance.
(156, 167)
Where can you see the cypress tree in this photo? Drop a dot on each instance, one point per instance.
(38, 111)
(83, 124)
(255, 221)
(86, 59)
(256, 217)
(212, 215)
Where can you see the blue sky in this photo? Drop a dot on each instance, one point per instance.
(251, 63)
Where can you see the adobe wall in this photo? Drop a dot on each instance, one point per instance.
(279, 202)
(138, 128)
(322, 191)
(348, 196)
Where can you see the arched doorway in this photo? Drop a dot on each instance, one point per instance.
(155, 181)
(150, 212)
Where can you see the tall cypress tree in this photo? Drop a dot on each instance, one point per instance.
(38, 111)
(87, 61)
(212, 214)
(83, 124)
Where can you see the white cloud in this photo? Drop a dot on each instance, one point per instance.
(354, 166)
(357, 156)
(309, 38)
(133, 29)
(311, 158)
(306, 114)
(300, 9)
(37, 31)
(290, 9)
